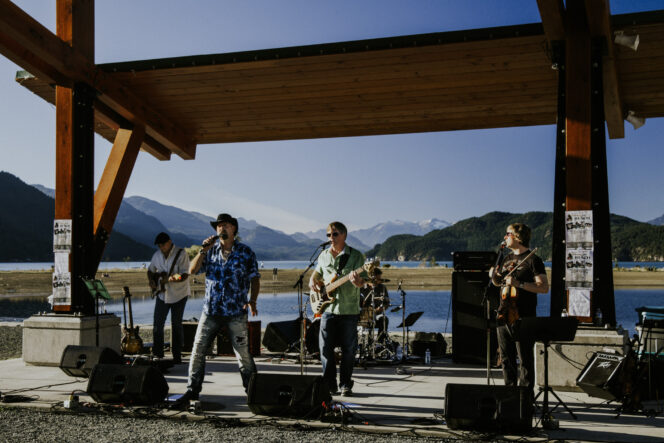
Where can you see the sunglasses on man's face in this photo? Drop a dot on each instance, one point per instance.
(332, 234)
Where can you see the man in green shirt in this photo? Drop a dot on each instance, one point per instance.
(338, 326)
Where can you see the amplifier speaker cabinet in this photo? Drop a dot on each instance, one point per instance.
(469, 323)
(287, 395)
(282, 336)
(486, 407)
(78, 361)
(600, 377)
(136, 385)
(473, 260)
(225, 347)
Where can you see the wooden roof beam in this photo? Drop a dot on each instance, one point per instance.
(552, 13)
(35, 47)
(599, 23)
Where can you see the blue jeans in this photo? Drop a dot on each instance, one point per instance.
(208, 328)
(338, 330)
(177, 333)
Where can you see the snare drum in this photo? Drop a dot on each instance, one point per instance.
(366, 317)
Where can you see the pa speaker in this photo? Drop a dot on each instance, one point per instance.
(78, 361)
(469, 317)
(281, 336)
(600, 377)
(137, 385)
(482, 407)
(287, 395)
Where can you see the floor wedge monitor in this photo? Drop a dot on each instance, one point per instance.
(135, 385)
(78, 361)
(287, 395)
(488, 407)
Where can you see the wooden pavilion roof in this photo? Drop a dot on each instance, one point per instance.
(475, 79)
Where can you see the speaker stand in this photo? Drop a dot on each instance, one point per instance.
(546, 419)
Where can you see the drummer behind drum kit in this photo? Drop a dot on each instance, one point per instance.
(371, 347)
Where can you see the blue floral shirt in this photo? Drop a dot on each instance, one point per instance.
(227, 283)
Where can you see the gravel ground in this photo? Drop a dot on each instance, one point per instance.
(11, 341)
(19, 425)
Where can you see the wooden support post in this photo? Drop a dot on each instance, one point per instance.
(113, 184)
(558, 294)
(75, 152)
(586, 183)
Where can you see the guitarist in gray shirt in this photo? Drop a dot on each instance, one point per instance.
(168, 278)
(340, 309)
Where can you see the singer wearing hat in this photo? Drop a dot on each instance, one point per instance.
(231, 272)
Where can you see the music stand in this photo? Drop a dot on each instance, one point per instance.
(546, 330)
(407, 323)
(97, 289)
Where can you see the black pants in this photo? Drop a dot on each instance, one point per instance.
(513, 346)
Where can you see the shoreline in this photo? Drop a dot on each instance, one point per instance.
(14, 284)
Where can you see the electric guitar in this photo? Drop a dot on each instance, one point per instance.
(131, 342)
(159, 280)
(321, 300)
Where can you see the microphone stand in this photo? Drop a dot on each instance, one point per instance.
(487, 304)
(300, 300)
(404, 356)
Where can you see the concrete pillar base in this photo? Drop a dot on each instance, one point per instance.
(45, 336)
(567, 359)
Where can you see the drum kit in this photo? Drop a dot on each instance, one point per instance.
(373, 316)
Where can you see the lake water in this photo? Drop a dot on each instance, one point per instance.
(435, 306)
(266, 264)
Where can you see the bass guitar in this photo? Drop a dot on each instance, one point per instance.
(508, 311)
(322, 299)
(131, 342)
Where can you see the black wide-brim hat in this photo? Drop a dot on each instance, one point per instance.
(224, 218)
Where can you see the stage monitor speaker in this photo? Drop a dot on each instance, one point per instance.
(136, 385)
(473, 260)
(287, 395)
(469, 324)
(482, 407)
(78, 361)
(601, 376)
(225, 347)
(282, 336)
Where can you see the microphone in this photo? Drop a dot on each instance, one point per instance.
(503, 244)
(322, 245)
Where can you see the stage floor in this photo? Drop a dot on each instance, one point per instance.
(387, 398)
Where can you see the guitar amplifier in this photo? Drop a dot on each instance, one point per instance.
(600, 377)
(473, 260)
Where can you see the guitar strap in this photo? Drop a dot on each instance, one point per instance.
(175, 260)
(342, 262)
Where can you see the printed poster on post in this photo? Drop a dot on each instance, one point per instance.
(579, 268)
(62, 289)
(579, 302)
(579, 229)
(61, 235)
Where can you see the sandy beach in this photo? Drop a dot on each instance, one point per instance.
(38, 283)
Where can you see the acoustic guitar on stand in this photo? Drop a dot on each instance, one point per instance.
(321, 300)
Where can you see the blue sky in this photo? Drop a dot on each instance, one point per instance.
(303, 185)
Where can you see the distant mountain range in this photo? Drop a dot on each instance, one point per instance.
(140, 219)
(26, 226)
(631, 240)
